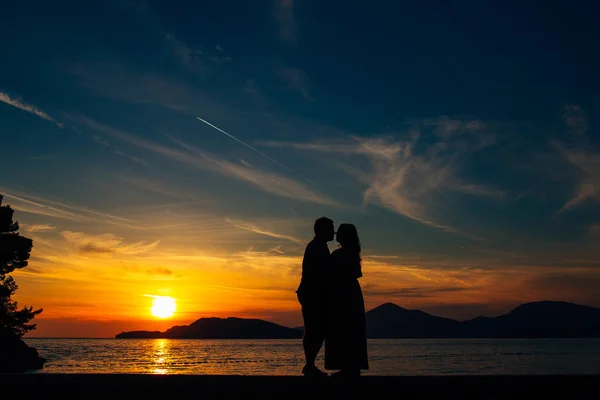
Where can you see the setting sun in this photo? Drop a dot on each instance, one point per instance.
(163, 307)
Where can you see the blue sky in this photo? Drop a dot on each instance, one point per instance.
(459, 138)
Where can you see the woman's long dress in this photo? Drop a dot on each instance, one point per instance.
(346, 340)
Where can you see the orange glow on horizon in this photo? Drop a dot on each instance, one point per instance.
(95, 284)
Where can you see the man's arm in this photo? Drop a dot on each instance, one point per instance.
(305, 275)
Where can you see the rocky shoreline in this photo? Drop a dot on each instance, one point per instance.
(17, 357)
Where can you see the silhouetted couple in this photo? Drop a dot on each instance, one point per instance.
(332, 303)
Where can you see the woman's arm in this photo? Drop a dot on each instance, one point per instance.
(357, 269)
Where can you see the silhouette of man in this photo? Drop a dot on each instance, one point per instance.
(312, 296)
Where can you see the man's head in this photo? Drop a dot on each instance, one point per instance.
(324, 229)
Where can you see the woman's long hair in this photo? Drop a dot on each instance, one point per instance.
(351, 241)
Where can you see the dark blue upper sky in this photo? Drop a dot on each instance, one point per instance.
(461, 130)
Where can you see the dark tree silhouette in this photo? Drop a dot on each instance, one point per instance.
(14, 254)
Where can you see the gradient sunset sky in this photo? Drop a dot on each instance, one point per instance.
(461, 140)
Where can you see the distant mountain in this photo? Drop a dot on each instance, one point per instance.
(543, 319)
(221, 328)
(391, 321)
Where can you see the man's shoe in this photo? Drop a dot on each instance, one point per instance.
(313, 372)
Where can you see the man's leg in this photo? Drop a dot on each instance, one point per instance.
(308, 341)
(309, 338)
(312, 340)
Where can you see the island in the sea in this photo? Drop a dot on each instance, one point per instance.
(543, 319)
(221, 328)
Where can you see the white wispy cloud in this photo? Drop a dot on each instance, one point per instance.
(256, 229)
(41, 206)
(297, 80)
(404, 182)
(270, 182)
(246, 163)
(267, 181)
(410, 178)
(105, 243)
(581, 156)
(274, 183)
(140, 161)
(39, 228)
(283, 12)
(18, 103)
(588, 164)
(135, 159)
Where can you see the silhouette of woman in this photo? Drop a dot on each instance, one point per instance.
(346, 340)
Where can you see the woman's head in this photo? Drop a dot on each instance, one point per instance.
(347, 237)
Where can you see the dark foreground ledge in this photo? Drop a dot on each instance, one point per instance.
(174, 387)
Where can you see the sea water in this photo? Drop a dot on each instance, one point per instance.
(285, 357)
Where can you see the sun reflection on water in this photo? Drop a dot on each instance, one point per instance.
(160, 356)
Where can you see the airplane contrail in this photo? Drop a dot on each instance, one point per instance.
(247, 145)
